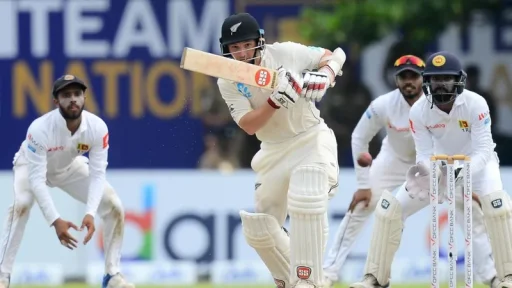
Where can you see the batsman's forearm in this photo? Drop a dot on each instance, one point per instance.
(256, 119)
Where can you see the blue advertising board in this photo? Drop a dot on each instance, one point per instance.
(128, 52)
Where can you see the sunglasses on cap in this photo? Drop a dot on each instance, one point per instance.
(410, 59)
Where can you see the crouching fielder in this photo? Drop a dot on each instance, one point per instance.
(52, 155)
(296, 166)
(392, 112)
(454, 121)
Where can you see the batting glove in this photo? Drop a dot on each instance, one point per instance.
(315, 85)
(287, 91)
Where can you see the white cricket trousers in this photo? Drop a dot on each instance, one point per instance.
(485, 182)
(75, 182)
(274, 165)
(389, 173)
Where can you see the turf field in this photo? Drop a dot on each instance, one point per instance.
(244, 286)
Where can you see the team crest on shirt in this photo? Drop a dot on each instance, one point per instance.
(82, 148)
(464, 126)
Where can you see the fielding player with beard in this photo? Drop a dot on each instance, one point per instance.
(52, 155)
(389, 169)
(448, 120)
(391, 112)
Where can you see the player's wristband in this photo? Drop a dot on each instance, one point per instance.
(330, 74)
(272, 104)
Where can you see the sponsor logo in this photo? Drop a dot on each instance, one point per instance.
(303, 272)
(262, 77)
(438, 125)
(398, 129)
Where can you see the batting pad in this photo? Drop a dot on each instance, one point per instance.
(498, 220)
(386, 236)
(263, 233)
(307, 207)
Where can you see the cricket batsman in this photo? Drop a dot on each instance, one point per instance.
(389, 169)
(449, 120)
(296, 167)
(52, 155)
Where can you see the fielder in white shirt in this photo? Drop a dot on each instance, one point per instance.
(391, 112)
(449, 120)
(52, 155)
(297, 165)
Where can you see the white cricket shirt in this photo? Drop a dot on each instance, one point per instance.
(49, 150)
(285, 123)
(389, 111)
(465, 130)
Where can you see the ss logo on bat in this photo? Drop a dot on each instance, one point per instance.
(262, 77)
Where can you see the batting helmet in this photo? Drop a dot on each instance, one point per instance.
(240, 27)
(443, 89)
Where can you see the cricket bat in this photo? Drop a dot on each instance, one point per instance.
(227, 68)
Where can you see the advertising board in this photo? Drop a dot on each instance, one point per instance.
(192, 216)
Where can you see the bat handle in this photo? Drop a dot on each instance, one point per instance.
(305, 84)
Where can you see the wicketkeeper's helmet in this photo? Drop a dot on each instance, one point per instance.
(443, 64)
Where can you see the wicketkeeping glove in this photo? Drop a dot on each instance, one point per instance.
(418, 182)
(443, 180)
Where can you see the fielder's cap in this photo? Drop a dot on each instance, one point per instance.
(66, 80)
(409, 63)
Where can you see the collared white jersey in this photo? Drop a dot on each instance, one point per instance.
(49, 137)
(389, 111)
(465, 130)
(49, 149)
(285, 123)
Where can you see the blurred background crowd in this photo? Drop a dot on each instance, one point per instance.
(400, 31)
(192, 111)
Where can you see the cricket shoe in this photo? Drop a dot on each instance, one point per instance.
(369, 281)
(116, 281)
(328, 283)
(330, 278)
(304, 284)
(4, 282)
(505, 283)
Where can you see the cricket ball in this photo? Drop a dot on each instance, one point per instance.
(364, 159)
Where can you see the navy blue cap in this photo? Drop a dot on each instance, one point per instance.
(65, 81)
(443, 63)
